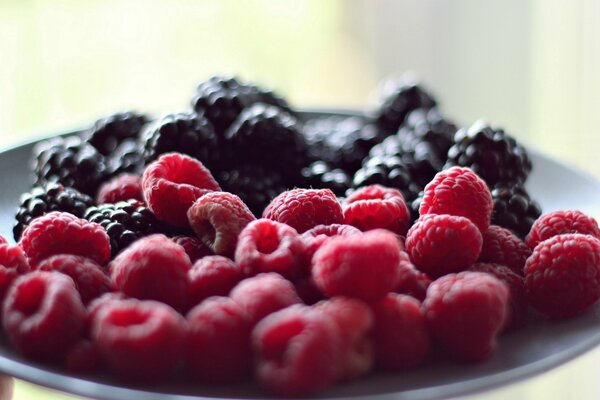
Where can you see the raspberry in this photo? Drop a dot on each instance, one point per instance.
(63, 233)
(400, 333)
(43, 315)
(442, 244)
(90, 280)
(303, 209)
(562, 275)
(264, 294)
(375, 206)
(172, 184)
(140, 340)
(465, 312)
(501, 246)
(194, 248)
(361, 266)
(213, 276)
(218, 218)
(459, 191)
(120, 188)
(559, 222)
(219, 341)
(518, 304)
(297, 351)
(308, 291)
(412, 282)
(82, 358)
(13, 263)
(270, 246)
(354, 321)
(153, 268)
(94, 307)
(315, 237)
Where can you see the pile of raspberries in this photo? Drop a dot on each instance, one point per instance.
(173, 276)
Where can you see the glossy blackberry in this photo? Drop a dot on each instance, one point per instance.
(70, 162)
(319, 175)
(514, 209)
(46, 198)
(400, 97)
(127, 158)
(124, 222)
(107, 133)
(414, 206)
(493, 154)
(388, 171)
(187, 133)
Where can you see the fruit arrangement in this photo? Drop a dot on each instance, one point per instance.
(237, 241)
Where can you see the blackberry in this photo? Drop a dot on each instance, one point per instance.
(514, 209)
(414, 206)
(124, 222)
(107, 133)
(387, 171)
(400, 97)
(493, 154)
(127, 158)
(46, 198)
(70, 162)
(319, 175)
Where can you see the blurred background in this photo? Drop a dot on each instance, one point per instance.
(528, 66)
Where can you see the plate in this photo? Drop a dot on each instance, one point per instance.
(537, 348)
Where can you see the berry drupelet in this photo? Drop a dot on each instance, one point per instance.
(108, 132)
(514, 209)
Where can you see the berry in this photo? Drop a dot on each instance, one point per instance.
(90, 280)
(120, 188)
(193, 247)
(319, 175)
(13, 262)
(359, 266)
(514, 209)
(124, 222)
(172, 184)
(308, 291)
(412, 281)
(400, 333)
(64, 233)
(303, 209)
(212, 276)
(46, 198)
(315, 237)
(562, 275)
(501, 246)
(270, 246)
(108, 132)
(559, 222)
(43, 315)
(127, 158)
(374, 207)
(465, 312)
(218, 218)
(153, 268)
(297, 351)
(491, 153)
(140, 340)
(459, 191)
(218, 348)
(96, 305)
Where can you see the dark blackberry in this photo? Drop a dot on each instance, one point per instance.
(514, 209)
(70, 162)
(387, 171)
(493, 154)
(127, 158)
(124, 222)
(107, 133)
(319, 175)
(414, 206)
(46, 198)
(400, 97)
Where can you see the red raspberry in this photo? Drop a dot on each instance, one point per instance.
(218, 218)
(94, 307)
(315, 237)
(465, 312)
(270, 246)
(442, 244)
(153, 268)
(303, 209)
(64, 233)
(90, 280)
(400, 333)
(501, 246)
(193, 247)
(308, 291)
(13, 258)
(362, 266)
(172, 184)
(140, 340)
(213, 276)
(218, 348)
(82, 358)
(562, 275)
(559, 222)
(518, 303)
(459, 191)
(43, 315)
(297, 351)
(120, 188)
(354, 321)
(264, 294)
(412, 282)
(375, 206)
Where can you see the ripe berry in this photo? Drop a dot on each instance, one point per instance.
(315, 237)
(120, 188)
(212, 276)
(412, 281)
(501, 246)
(193, 247)
(110, 131)
(13, 263)
(559, 222)
(514, 209)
